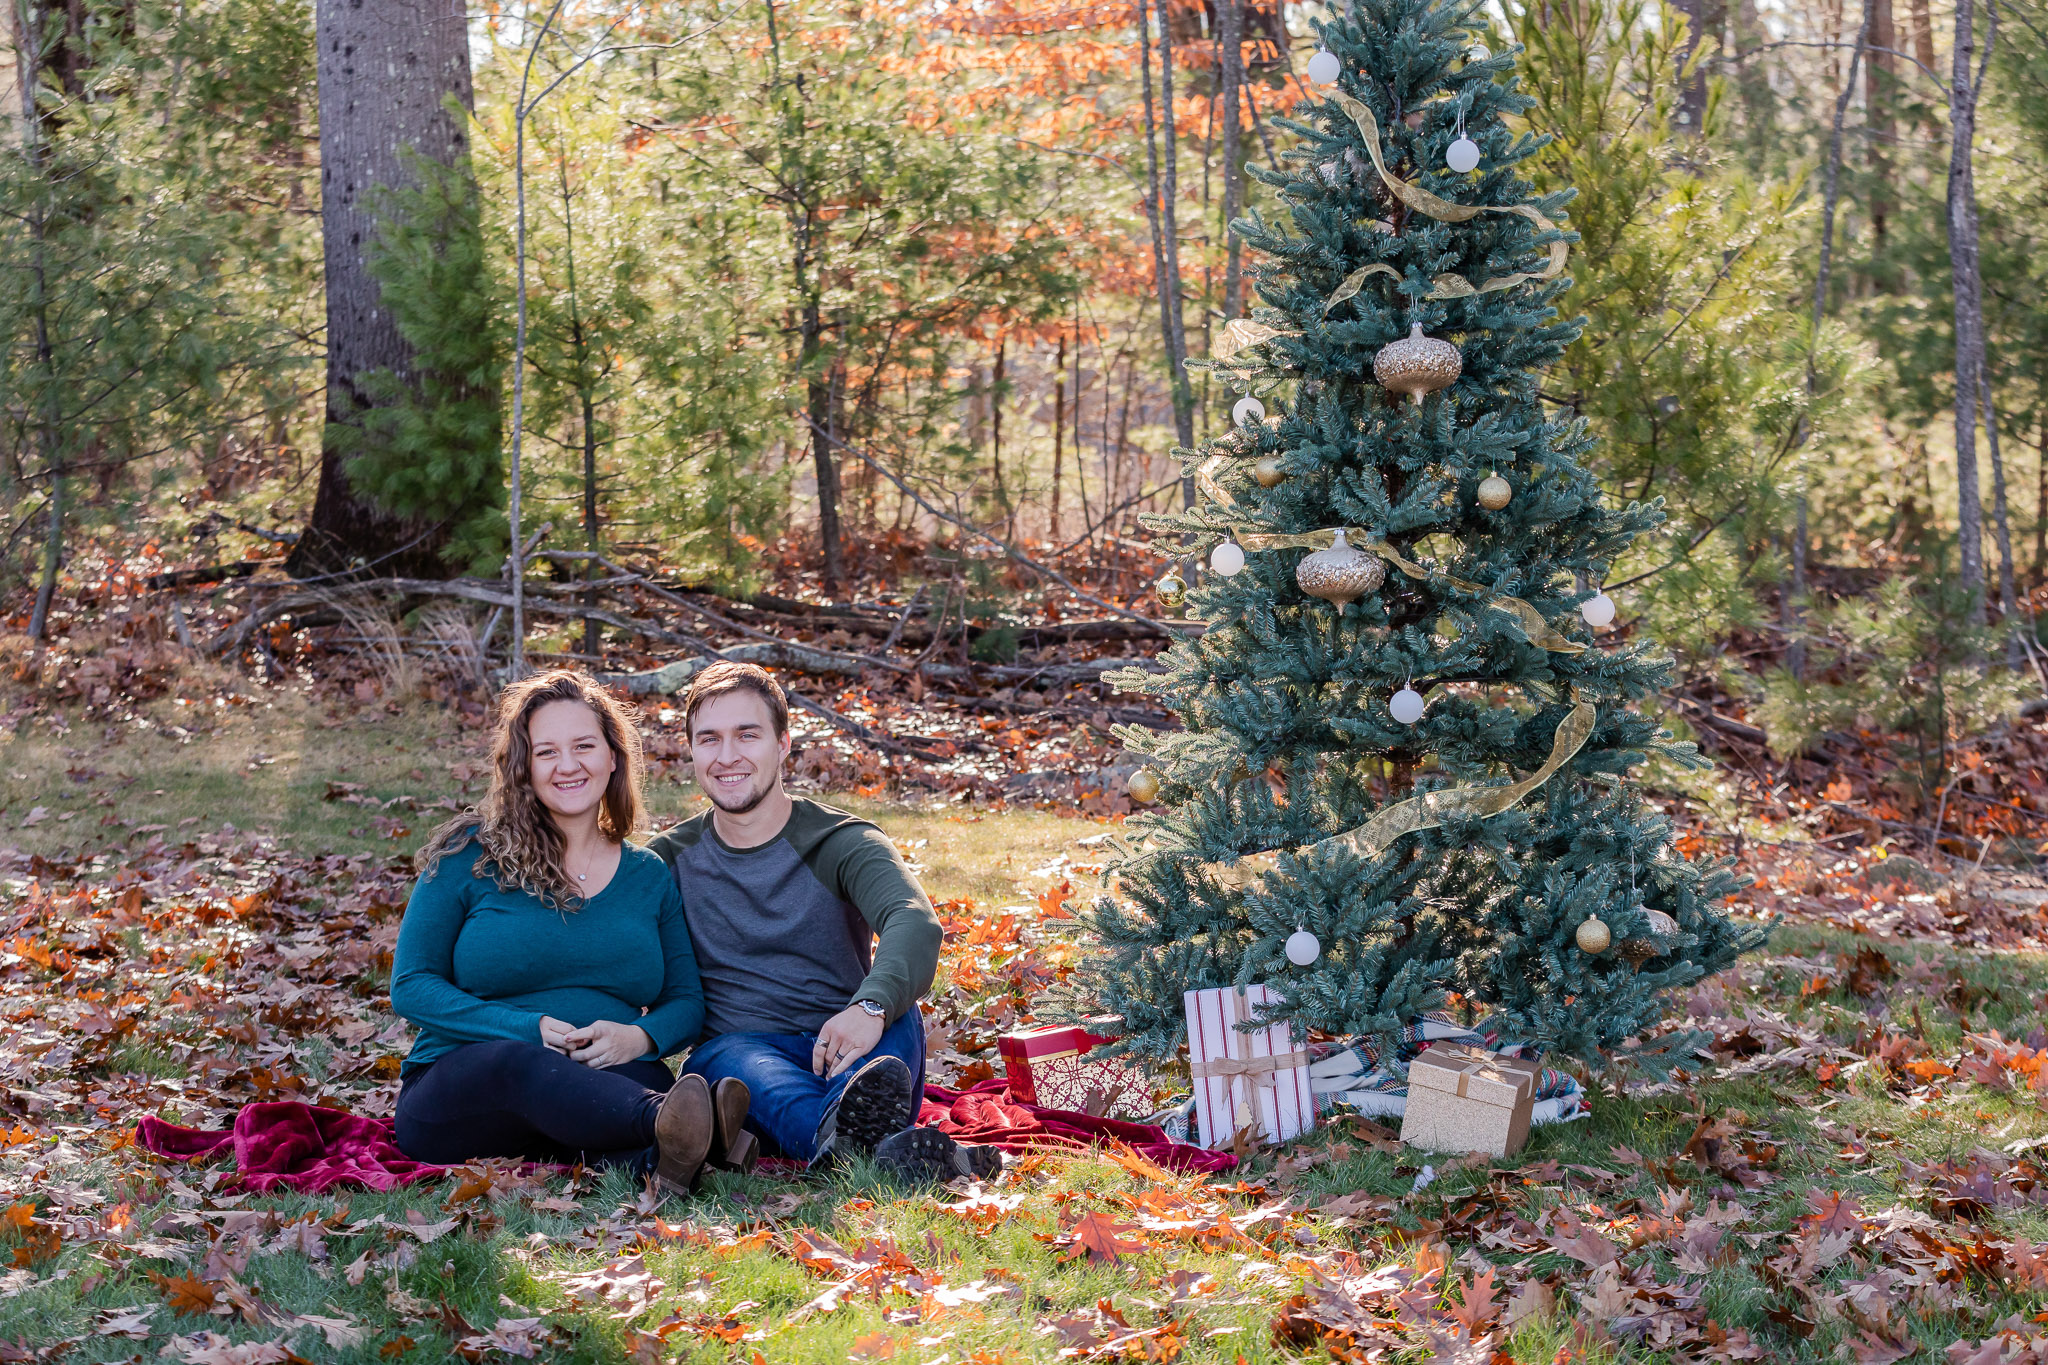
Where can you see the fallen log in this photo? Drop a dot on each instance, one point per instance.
(673, 677)
(211, 573)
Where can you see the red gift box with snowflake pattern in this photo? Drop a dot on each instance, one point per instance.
(1050, 1067)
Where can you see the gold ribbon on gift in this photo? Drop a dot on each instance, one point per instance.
(1260, 1071)
(1446, 286)
(1534, 625)
(1433, 808)
(1468, 1064)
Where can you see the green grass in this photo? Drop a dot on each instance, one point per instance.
(266, 763)
(509, 1258)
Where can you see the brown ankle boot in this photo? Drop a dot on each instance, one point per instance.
(683, 1129)
(734, 1148)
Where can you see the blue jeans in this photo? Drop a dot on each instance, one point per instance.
(787, 1097)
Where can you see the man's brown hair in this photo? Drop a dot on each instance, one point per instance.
(730, 676)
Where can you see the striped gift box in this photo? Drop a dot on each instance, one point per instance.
(1256, 1078)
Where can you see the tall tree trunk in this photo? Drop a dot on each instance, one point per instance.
(1169, 217)
(30, 43)
(995, 426)
(1230, 32)
(1923, 33)
(590, 635)
(2041, 505)
(1059, 432)
(1795, 605)
(1161, 190)
(2007, 603)
(1881, 87)
(1968, 285)
(825, 464)
(387, 70)
(1703, 21)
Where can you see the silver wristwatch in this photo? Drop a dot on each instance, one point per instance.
(871, 1009)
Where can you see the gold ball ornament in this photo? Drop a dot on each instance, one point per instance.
(1170, 591)
(1343, 573)
(1268, 472)
(1593, 936)
(1143, 786)
(1494, 492)
(1417, 365)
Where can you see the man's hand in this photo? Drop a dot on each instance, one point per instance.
(554, 1034)
(847, 1037)
(605, 1043)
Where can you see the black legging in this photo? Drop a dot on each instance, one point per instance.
(523, 1100)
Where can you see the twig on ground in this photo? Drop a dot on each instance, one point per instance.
(909, 608)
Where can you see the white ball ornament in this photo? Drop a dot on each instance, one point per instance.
(1462, 155)
(1598, 611)
(1406, 706)
(1324, 68)
(1247, 411)
(1227, 559)
(1478, 52)
(1303, 948)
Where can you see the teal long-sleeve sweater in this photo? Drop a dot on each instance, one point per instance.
(475, 963)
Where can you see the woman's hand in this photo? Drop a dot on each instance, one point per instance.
(605, 1043)
(554, 1034)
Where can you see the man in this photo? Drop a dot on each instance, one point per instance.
(783, 898)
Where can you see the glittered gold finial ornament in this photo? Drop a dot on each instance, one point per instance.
(1494, 492)
(1171, 592)
(1143, 786)
(1341, 574)
(1594, 937)
(1663, 929)
(1418, 364)
(1268, 472)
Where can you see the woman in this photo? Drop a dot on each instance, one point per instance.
(547, 967)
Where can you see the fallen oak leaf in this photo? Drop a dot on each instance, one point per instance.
(1141, 1166)
(186, 1296)
(875, 1346)
(1481, 1300)
(1099, 1238)
(125, 1322)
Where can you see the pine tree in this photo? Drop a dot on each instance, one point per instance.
(1289, 741)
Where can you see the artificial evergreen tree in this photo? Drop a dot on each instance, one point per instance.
(1290, 743)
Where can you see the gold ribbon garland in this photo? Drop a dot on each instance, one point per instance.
(1241, 334)
(1534, 625)
(1431, 809)
(1447, 286)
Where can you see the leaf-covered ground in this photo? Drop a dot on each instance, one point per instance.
(1857, 1176)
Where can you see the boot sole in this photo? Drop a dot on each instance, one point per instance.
(875, 1105)
(926, 1155)
(734, 1148)
(683, 1129)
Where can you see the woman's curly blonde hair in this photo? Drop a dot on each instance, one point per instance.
(522, 847)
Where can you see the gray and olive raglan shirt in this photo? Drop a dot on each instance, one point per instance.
(790, 932)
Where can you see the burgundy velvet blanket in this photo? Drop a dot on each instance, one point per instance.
(286, 1145)
(986, 1113)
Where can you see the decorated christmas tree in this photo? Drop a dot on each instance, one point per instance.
(1404, 779)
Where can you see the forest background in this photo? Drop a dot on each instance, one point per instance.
(838, 299)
